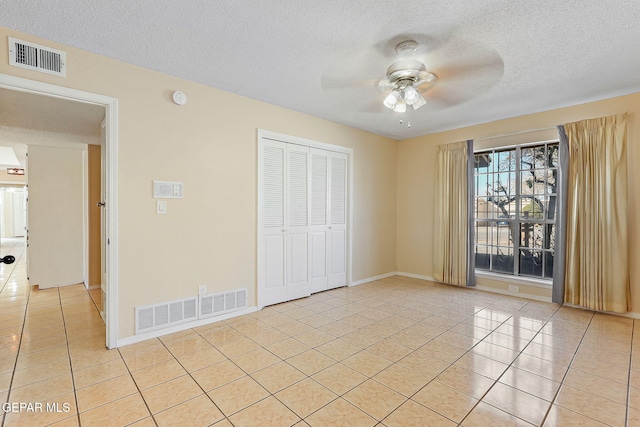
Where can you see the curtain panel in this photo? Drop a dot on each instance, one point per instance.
(557, 294)
(597, 271)
(453, 257)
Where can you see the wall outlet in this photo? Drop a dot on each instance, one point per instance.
(513, 288)
(202, 290)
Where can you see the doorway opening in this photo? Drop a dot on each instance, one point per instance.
(48, 96)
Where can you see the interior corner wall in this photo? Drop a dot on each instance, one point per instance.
(416, 175)
(210, 145)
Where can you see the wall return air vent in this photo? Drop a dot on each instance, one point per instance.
(163, 315)
(223, 302)
(37, 58)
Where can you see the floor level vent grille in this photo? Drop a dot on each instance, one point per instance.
(163, 315)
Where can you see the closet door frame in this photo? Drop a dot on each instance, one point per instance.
(264, 135)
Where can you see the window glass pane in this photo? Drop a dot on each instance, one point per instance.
(550, 208)
(526, 156)
(539, 157)
(503, 259)
(552, 155)
(531, 235)
(548, 268)
(502, 235)
(506, 161)
(551, 181)
(536, 182)
(531, 208)
(550, 236)
(481, 208)
(531, 262)
(482, 233)
(527, 182)
(482, 163)
(483, 255)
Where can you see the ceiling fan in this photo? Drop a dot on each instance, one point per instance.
(406, 78)
(457, 70)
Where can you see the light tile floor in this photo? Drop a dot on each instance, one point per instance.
(396, 352)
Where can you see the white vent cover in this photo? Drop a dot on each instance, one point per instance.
(37, 58)
(158, 316)
(223, 302)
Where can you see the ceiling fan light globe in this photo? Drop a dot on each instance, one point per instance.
(410, 95)
(419, 101)
(400, 107)
(392, 99)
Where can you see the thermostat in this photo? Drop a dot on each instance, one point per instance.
(167, 190)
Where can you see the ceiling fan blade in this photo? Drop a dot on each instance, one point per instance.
(465, 71)
(343, 83)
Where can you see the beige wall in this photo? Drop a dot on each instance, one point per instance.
(416, 172)
(6, 178)
(210, 144)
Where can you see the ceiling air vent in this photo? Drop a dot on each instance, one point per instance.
(37, 58)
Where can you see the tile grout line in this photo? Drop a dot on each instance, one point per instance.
(626, 414)
(191, 376)
(564, 377)
(73, 381)
(137, 388)
(24, 320)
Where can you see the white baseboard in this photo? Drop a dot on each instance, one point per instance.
(92, 287)
(629, 314)
(481, 288)
(513, 294)
(183, 326)
(415, 276)
(373, 279)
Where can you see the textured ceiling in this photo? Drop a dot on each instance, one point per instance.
(494, 59)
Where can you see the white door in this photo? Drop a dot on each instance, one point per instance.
(284, 238)
(302, 220)
(297, 222)
(271, 265)
(319, 220)
(56, 216)
(337, 230)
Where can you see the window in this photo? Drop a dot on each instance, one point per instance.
(515, 209)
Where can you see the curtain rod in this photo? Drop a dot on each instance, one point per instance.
(514, 133)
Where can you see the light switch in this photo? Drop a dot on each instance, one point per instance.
(161, 207)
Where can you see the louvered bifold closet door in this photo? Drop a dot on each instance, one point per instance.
(319, 220)
(297, 222)
(337, 230)
(272, 263)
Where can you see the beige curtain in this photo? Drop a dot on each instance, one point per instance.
(451, 215)
(597, 271)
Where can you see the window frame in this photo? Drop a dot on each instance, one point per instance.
(515, 220)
